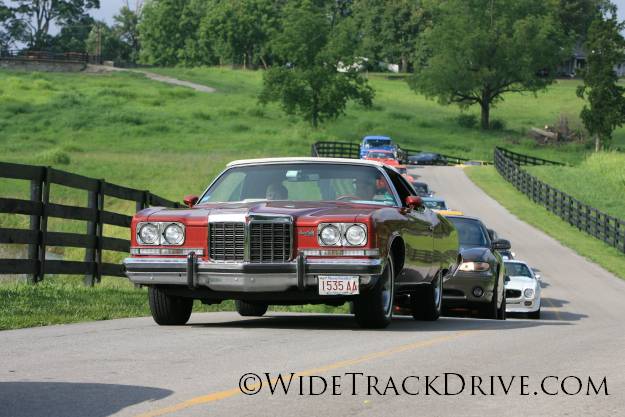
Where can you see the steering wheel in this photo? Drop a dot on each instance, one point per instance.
(348, 197)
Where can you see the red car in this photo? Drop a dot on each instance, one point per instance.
(295, 231)
(385, 157)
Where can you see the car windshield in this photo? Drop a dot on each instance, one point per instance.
(515, 269)
(381, 155)
(470, 232)
(436, 205)
(402, 170)
(301, 182)
(420, 187)
(372, 143)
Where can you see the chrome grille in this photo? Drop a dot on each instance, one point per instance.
(270, 242)
(513, 293)
(226, 241)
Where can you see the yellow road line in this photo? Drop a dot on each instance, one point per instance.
(221, 395)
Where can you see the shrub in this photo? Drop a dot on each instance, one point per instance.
(54, 156)
(467, 120)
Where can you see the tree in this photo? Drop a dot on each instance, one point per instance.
(606, 105)
(478, 50)
(127, 29)
(36, 17)
(167, 29)
(309, 48)
(239, 30)
(73, 35)
(390, 29)
(112, 47)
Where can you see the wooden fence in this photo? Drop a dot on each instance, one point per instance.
(596, 223)
(29, 55)
(40, 209)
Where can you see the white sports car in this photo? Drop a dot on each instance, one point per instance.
(522, 290)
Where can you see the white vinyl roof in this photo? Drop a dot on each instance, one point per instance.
(300, 159)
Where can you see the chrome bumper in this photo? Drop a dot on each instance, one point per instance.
(300, 274)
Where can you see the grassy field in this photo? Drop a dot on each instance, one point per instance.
(171, 140)
(598, 180)
(518, 204)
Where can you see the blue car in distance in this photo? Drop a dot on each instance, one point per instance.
(382, 143)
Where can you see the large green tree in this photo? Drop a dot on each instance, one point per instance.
(390, 29)
(126, 27)
(239, 30)
(605, 48)
(310, 47)
(478, 50)
(35, 18)
(167, 29)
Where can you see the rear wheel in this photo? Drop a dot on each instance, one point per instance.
(426, 303)
(501, 313)
(246, 309)
(374, 308)
(168, 310)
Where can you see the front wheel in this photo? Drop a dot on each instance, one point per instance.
(374, 308)
(246, 309)
(168, 310)
(534, 314)
(426, 303)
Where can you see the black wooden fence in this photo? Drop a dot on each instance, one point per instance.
(596, 223)
(40, 209)
(28, 55)
(352, 150)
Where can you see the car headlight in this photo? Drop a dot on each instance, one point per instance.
(174, 234)
(330, 235)
(148, 234)
(342, 234)
(528, 293)
(474, 266)
(356, 235)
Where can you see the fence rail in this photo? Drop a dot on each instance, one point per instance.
(586, 218)
(28, 55)
(40, 209)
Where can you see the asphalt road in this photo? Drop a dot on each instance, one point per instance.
(132, 367)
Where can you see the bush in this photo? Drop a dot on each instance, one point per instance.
(467, 120)
(54, 156)
(497, 124)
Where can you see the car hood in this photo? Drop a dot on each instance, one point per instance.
(520, 282)
(474, 253)
(303, 213)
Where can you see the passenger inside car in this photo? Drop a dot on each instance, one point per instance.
(276, 191)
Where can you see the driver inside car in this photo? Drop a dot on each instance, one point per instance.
(276, 191)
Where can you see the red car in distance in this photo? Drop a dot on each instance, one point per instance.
(382, 156)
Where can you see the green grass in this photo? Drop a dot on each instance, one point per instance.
(172, 141)
(518, 204)
(598, 180)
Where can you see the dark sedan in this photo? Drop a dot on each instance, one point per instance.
(478, 283)
(422, 189)
(427, 158)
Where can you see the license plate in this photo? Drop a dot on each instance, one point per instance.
(338, 285)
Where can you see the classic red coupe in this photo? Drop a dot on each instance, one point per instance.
(289, 231)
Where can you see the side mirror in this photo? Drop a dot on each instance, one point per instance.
(501, 244)
(506, 279)
(190, 200)
(414, 202)
(537, 276)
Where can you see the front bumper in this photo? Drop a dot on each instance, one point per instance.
(458, 290)
(302, 273)
(522, 305)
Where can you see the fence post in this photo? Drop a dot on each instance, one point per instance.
(35, 225)
(45, 199)
(99, 232)
(91, 253)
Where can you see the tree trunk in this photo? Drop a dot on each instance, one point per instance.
(485, 105)
(597, 143)
(404, 64)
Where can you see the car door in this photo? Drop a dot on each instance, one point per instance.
(416, 227)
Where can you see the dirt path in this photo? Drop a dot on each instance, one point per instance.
(153, 76)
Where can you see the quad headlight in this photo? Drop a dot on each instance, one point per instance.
(474, 266)
(342, 234)
(528, 293)
(160, 233)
